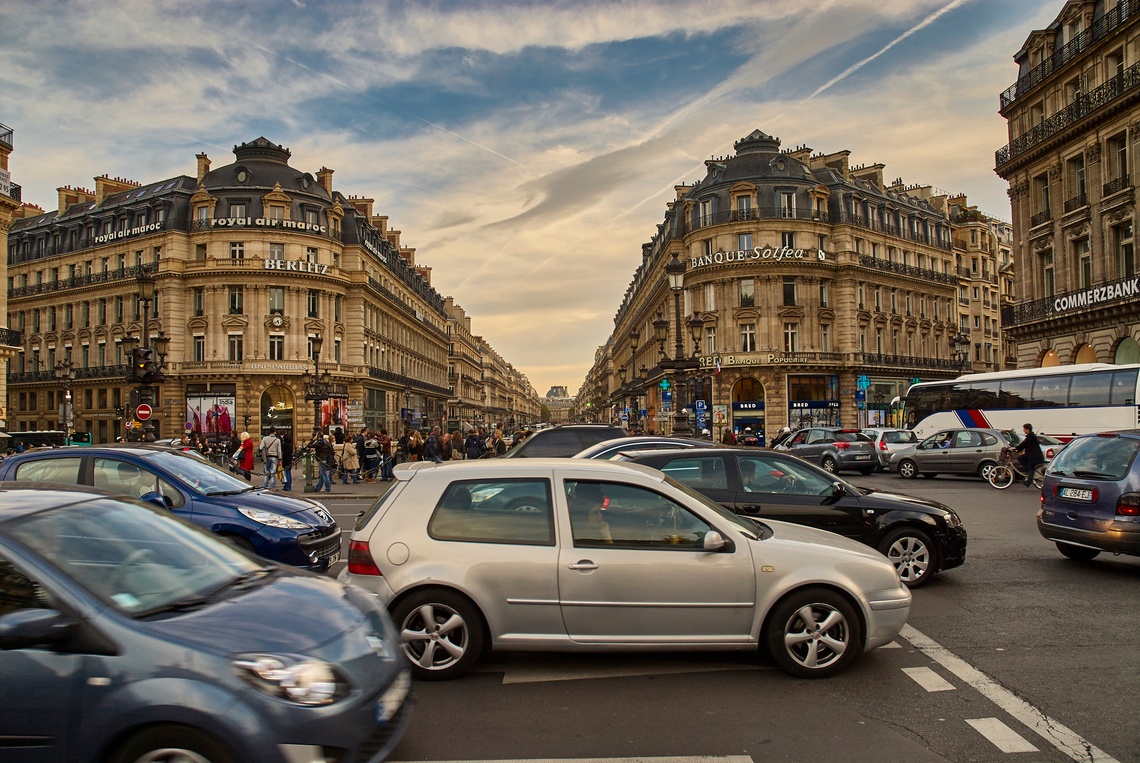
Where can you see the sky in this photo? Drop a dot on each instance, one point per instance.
(526, 150)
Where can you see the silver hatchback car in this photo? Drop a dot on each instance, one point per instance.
(594, 555)
(953, 451)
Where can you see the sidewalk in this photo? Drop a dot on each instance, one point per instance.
(361, 489)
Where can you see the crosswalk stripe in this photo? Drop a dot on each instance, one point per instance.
(1003, 737)
(928, 679)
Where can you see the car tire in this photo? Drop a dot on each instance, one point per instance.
(908, 469)
(828, 465)
(801, 647)
(911, 551)
(867, 472)
(527, 505)
(985, 469)
(1078, 553)
(171, 742)
(437, 654)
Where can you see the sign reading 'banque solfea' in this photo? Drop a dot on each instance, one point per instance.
(756, 254)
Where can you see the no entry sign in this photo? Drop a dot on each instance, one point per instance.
(143, 412)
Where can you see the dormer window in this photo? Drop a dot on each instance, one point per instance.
(241, 175)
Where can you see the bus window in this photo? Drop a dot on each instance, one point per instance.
(1016, 393)
(1051, 392)
(1124, 387)
(975, 395)
(1090, 389)
(922, 401)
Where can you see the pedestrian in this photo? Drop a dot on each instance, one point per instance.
(270, 450)
(415, 445)
(326, 460)
(1031, 455)
(402, 446)
(458, 452)
(433, 446)
(370, 457)
(349, 461)
(245, 455)
(498, 444)
(286, 462)
(385, 441)
(473, 445)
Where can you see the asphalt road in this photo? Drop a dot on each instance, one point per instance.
(1018, 654)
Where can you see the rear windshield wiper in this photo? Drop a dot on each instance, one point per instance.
(1093, 475)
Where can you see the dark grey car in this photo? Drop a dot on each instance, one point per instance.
(834, 449)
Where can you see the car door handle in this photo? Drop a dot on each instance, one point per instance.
(751, 508)
(585, 564)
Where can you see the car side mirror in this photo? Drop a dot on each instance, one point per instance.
(157, 498)
(713, 541)
(26, 628)
(838, 489)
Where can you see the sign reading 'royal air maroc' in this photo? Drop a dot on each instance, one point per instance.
(768, 253)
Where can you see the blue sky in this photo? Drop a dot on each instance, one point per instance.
(525, 149)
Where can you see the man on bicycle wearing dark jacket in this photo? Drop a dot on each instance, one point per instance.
(1031, 456)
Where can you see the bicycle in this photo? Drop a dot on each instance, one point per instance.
(1002, 475)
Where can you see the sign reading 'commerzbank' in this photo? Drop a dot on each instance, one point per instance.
(757, 254)
(1098, 295)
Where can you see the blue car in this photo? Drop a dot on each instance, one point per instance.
(127, 635)
(1090, 499)
(279, 527)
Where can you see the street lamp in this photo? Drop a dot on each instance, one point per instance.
(407, 407)
(675, 272)
(146, 368)
(960, 349)
(65, 373)
(318, 387)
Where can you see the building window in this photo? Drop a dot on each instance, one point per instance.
(312, 217)
(310, 254)
(199, 349)
(237, 210)
(118, 312)
(787, 204)
(338, 304)
(744, 242)
(791, 337)
(748, 337)
(825, 338)
(878, 299)
(314, 303)
(276, 300)
(710, 297)
(894, 301)
(1076, 176)
(710, 339)
(1116, 157)
(199, 252)
(202, 213)
(1041, 195)
(198, 295)
(788, 240)
(789, 284)
(1125, 255)
(236, 345)
(276, 251)
(747, 292)
(277, 347)
(878, 341)
(236, 300)
(706, 212)
(1083, 257)
(824, 289)
(276, 212)
(237, 250)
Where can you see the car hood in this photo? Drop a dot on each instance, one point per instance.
(786, 531)
(301, 509)
(318, 612)
(887, 501)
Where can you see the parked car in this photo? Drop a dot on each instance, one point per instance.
(920, 537)
(129, 635)
(617, 448)
(953, 451)
(564, 440)
(617, 557)
(290, 530)
(834, 449)
(1050, 446)
(887, 442)
(1090, 499)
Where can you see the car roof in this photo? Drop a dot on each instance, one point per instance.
(135, 449)
(474, 468)
(19, 499)
(684, 442)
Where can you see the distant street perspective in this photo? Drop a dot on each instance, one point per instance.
(570, 382)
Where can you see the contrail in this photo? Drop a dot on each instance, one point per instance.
(920, 25)
(346, 86)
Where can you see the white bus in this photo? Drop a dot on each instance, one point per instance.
(1061, 401)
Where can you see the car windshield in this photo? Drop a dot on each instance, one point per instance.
(852, 437)
(749, 527)
(1103, 458)
(199, 475)
(139, 560)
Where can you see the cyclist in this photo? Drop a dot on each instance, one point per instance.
(1030, 453)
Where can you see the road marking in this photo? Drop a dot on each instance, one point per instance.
(929, 680)
(892, 645)
(1064, 739)
(1003, 737)
(709, 759)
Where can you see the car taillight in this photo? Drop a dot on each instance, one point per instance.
(360, 559)
(882, 445)
(1049, 453)
(1128, 505)
(842, 445)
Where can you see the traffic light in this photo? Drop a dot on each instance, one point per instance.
(140, 364)
(120, 412)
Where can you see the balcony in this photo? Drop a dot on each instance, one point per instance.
(1117, 185)
(904, 361)
(1081, 200)
(111, 276)
(1105, 294)
(6, 137)
(1040, 218)
(1106, 24)
(925, 274)
(11, 338)
(1083, 106)
(754, 213)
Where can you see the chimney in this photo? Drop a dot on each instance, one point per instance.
(69, 196)
(203, 165)
(105, 185)
(324, 177)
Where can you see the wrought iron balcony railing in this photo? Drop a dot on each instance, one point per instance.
(1040, 309)
(1119, 184)
(120, 274)
(868, 261)
(1040, 218)
(1076, 203)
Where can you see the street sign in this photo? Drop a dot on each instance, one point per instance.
(143, 412)
(701, 405)
(864, 382)
(860, 396)
(189, 426)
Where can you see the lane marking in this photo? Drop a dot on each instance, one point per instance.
(1067, 741)
(929, 680)
(892, 645)
(1003, 737)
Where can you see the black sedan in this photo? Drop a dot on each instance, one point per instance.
(920, 537)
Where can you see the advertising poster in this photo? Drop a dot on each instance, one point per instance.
(211, 416)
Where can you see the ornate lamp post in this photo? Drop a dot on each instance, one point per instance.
(65, 373)
(635, 413)
(407, 407)
(146, 368)
(318, 387)
(960, 349)
(675, 272)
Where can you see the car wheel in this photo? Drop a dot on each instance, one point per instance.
(908, 469)
(813, 633)
(909, 550)
(867, 472)
(1078, 553)
(528, 505)
(828, 465)
(442, 633)
(985, 469)
(172, 744)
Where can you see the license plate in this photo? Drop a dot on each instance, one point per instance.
(333, 559)
(390, 703)
(1076, 494)
(862, 458)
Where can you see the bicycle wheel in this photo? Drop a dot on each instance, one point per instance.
(1039, 476)
(1001, 477)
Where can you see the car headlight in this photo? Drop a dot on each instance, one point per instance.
(273, 520)
(952, 519)
(294, 679)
